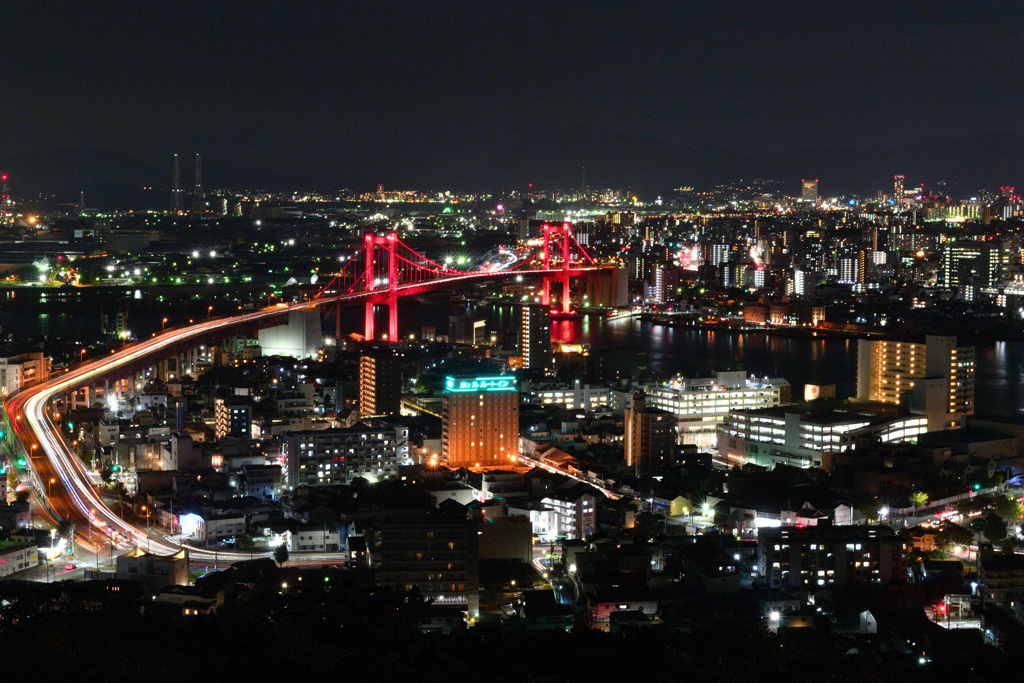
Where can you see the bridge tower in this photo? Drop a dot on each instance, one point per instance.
(371, 282)
(565, 231)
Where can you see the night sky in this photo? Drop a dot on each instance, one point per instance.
(339, 93)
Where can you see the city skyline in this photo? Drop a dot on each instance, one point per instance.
(333, 329)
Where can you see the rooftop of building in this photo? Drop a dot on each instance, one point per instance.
(828, 411)
(825, 530)
(962, 436)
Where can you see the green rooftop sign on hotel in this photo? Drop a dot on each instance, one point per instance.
(467, 384)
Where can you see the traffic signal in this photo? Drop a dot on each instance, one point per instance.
(71, 425)
(977, 487)
(3, 433)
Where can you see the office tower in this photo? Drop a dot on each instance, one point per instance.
(898, 192)
(809, 191)
(887, 370)
(649, 437)
(969, 266)
(535, 337)
(480, 421)
(380, 383)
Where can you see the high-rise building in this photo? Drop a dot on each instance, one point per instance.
(898, 193)
(969, 266)
(649, 437)
(809, 191)
(535, 337)
(849, 270)
(480, 421)
(887, 370)
(804, 282)
(380, 383)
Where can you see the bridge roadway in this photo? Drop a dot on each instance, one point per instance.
(72, 493)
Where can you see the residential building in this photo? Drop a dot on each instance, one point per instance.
(1000, 576)
(535, 337)
(505, 538)
(232, 419)
(15, 515)
(336, 456)
(380, 383)
(888, 370)
(314, 538)
(464, 329)
(22, 371)
(154, 571)
(435, 553)
(480, 421)
(649, 436)
(575, 512)
(260, 481)
(813, 557)
(16, 557)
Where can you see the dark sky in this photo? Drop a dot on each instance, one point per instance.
(342, 90)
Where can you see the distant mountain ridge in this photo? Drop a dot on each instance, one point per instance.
(649, 165)
(553, 158)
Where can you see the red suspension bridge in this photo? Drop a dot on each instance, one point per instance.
(385, 268)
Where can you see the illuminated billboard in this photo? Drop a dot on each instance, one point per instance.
(468, 384)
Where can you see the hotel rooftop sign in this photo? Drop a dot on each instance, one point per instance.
(468, 384)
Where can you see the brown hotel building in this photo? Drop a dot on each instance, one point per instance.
(480, 421)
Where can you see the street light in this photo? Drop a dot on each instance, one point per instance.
(209, 312)
(163, 323)
(48, 485)
(147, 527)
(95, 522)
